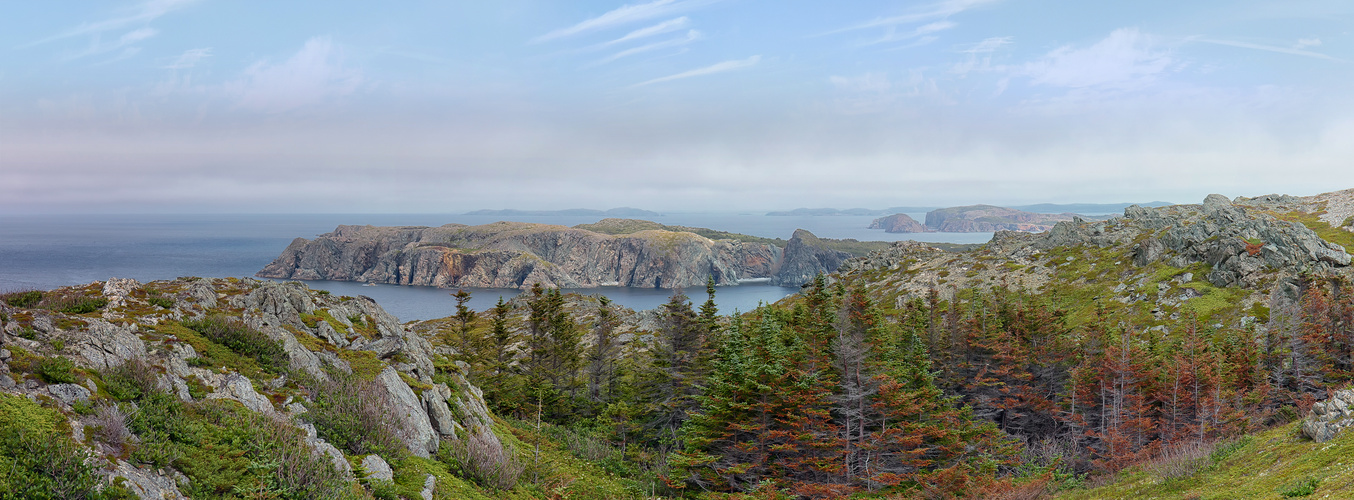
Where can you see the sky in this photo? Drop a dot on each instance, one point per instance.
(669, 105)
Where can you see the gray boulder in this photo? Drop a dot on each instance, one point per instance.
(68, 393)
(239, 388)
(409, 414)
(377, 468)
(1329, 417)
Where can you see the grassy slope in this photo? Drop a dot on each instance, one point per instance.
(1265, 465)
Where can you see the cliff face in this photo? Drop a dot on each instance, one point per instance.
(512, 254)
(898, 223)
(805, 257)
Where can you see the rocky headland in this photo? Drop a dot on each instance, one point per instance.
(898, 223)
(614, 252)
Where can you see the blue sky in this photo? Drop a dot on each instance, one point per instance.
(209, 105)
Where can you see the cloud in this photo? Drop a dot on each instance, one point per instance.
(657, 29)
(1271, 48)
(919, 32)
(189, 58)
(1124, 59)
(980, 55)
(1307, 42)
(930, 12)
(691, 36)
(124, 42)
(625, 14)
(144, 13)
(314, 74)
(708, 70)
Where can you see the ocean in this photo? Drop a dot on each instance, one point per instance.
(48, 251)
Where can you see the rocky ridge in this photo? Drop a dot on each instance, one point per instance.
(1163, 257)
(898, 223)
(320, 334)
(514, 255)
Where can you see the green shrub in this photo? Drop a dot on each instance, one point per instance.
(80, 305)
(130, 380)
(57, 370)
(164, 302)
(37, 460)
(243, 340)
(1301, 488)
(59, 345)
(27, 332)
(25, 299)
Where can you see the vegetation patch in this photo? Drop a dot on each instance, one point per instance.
(246, 341)
(38, 460)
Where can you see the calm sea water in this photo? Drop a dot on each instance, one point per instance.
(48, 251)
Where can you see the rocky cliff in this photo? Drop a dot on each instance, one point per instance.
(514, 254)
(898, 223)
(233, 356)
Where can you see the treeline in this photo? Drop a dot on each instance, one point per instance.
(830, 394)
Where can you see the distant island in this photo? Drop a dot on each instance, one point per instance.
(611, 252)
(614, 212)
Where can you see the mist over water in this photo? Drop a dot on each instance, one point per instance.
(48, 251)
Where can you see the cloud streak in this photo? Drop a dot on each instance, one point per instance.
(1271, 48)
(657, 29)
(625, 14)
(708, 70)
(931, 12)
(691, 36)
(144, 13)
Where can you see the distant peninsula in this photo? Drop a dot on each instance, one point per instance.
(611, 252)
(614, 212)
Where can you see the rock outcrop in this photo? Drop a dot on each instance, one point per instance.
(805, 258)
(898, 223)
(1329, 417)
(517, 255)
(321, 335)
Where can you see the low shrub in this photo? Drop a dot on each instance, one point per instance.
(109, 423)
(1182, 461)
(37, 460)
(482, 459)
(159, 301)
(25, 298)
(1300, 488)
(57, 370)
(130, 380)
(75, 304)
(354, 415)
(244, 340)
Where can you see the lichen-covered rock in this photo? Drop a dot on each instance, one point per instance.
(104, 345)
(408, 413)
(148, 483)
(69, 393)
(377, 468)
(1329, 417)
(239, 388)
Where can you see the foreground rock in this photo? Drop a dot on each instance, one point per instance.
(515, 255)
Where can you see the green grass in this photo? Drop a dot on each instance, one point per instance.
(1265, 465)
(1313, 221)
(213, 354)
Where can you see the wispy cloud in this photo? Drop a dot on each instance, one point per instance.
(1307, 42)
(189, 58)
(625, 14)
(1271, 48)
(930, 12)
(980, 55)
(1125, 59)
(311, 76)
(708, 70)
(143, 13)
(691, 36)
(125, 42)
(657, 29)
(923, 31)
